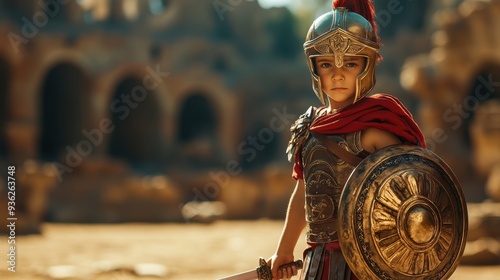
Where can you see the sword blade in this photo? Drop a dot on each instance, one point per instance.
(248, 275)
(263, 272)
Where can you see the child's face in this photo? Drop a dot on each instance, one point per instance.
(339, 83)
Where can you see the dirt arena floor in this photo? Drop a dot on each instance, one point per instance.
(156, 251)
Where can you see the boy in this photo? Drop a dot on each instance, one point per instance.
(341, 49)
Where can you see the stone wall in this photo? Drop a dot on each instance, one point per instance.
(118, 96)
(457, 85)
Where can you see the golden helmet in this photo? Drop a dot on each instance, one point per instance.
(339, 33)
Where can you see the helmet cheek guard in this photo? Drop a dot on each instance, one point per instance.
(337, 34)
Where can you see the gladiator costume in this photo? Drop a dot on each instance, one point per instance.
(325, 172)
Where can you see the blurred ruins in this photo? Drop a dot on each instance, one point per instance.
(144, 110)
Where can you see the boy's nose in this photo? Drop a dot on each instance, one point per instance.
(337, 74)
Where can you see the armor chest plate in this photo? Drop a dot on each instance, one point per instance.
(324, 177)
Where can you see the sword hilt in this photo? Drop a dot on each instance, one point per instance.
(264, 270)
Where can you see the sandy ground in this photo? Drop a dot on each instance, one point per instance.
(175, 251)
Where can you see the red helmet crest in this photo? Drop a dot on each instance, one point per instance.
(364, 8)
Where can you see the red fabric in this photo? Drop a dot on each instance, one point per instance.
(331, 246)
(381, 111)
(364, 8)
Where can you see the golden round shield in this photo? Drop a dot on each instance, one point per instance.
(402, 215)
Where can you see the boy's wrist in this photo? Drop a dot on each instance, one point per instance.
(283, 253)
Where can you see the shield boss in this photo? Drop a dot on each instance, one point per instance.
(402, 215)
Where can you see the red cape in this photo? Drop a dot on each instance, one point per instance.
(381, 111)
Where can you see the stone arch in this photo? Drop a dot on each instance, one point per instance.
(197, 130)
(5, 78)
(224, 103)
(137, 119)
(65, 110)
(197, 117)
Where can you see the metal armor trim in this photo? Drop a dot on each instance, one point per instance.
(321, 208)
(324, 177)
(340, 43)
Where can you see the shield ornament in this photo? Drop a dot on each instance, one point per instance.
(402, 215)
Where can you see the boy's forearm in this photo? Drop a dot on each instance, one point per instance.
(294, 222)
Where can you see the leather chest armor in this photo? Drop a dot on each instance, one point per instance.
(325, 175)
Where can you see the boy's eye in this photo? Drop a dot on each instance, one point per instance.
(325, 65)
(350, 64)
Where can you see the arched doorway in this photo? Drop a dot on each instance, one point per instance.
(4, 99)
(197, 118)
(65, 104)
(197, 129)
(137, 118)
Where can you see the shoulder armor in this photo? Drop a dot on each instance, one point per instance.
(300, 132)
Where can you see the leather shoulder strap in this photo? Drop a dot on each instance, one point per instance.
(334, 148)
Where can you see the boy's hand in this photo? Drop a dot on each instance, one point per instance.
(286, 272)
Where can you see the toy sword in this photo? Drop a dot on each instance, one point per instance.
(262, 272)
